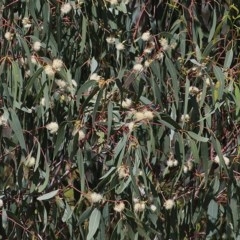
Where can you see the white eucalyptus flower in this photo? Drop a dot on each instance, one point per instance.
(120, 46)
(66, 8)
(119, 207)
(139, 206)
(164, 44)
(138, 67)
(226, 160)
(95, 197)
(146, 36)
(26, 22)
(126, 103)
(148, 115)
(52, 127)
(30, 162)
(139, 116)
(185, 118)
(37, 46)
(49, 70)
(153, 208)
(95, 77)
(123, 171)
(33, 60)
(8, 36)
(61, 83)
(57, 64)
(169, 204)
(110, 40)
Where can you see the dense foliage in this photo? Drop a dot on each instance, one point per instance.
(119, 119)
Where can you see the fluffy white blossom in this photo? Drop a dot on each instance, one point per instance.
(52, 127)
(120, 46)
(175, 162)
(164, 44)
(26, 22)
(119, 207)
(66, 8)
(126, 103)
(95, 77)
(3, 121)
(61, 83)
(148, 115)
(135, 200)
(49, 70)
(170, 163)
(185, 169)
(110, 40)
(34, 60)
(169, 204)
(189, 164)
(30, 161)
(173, 45)
(159, 55)
(147, 63)
(23, 61)
(185, 118)
(139, 206)
(37, 46)
(57, 64)
(139, 116)
(8, 36)
(138, 67)
(123, 171)
(95, 197)
(193, 90)
(226, 160)
(153, 208)
(147, 50)
(146, 36)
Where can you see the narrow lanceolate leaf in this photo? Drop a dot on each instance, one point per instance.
(169, 122)
(84, 34)
(17, 128)
(214, 22)
(110, 118)
(93, 223)
(175, 82)
(228, 59)
(60, 140)
(213, 211)
(197, 137)
(47, 196)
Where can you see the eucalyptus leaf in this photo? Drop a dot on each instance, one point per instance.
(94, 222)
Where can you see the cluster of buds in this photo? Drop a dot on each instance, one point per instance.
(172, 162)
(56, 66)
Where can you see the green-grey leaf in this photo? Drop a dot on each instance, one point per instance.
(93, 223)
(47, 196)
